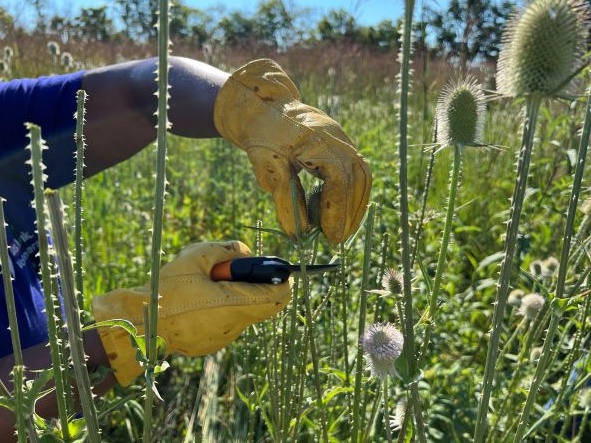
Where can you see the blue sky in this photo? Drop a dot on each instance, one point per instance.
(367, 12)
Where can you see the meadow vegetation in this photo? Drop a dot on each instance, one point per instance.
(303, 376)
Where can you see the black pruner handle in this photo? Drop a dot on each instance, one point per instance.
(265, 269)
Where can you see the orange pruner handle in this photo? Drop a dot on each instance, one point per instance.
(221, 271)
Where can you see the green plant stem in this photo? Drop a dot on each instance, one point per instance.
(57, 360)
(311, 336)
(408, 326)
(532, 110)
(344, 299)
(453, 191)
(20, 411)
(358, 402)
(386, 398)
(72, 315)
(80, 147)
(287, 384)
(159, 193)
(18, 369)
(558, 306)
(421, 221)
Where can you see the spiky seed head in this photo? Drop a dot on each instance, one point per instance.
(392, 282)
(515, 297)
(535, 268)
(67, 60)
(53, 47)
(313, 205)
(397, 419)
(550, 266)
(531, 304)
(585, 398)
(585, 206)
(460, 113)
(542, 47)
(382, 344)
(535, 354)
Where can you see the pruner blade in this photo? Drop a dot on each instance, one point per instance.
(263, 269)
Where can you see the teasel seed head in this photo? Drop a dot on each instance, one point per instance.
(550, 266)
(382, 344)
(585, 398)
(460, 113)
(8, 52)
(53, 48)
(515, 297)
(531, 304)
(535, 354)
(397, 419)
(4, 67)
(67, 60)
(392, 282)
(313, 205)
(535, 268)
(542, 48)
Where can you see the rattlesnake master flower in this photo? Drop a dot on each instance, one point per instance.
(382, 344)
(460, 113)
(542, 47)
(531, 304)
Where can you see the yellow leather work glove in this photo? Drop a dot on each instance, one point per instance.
(197, 316)
(259, 110)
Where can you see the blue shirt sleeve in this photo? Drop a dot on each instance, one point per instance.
(49, 102)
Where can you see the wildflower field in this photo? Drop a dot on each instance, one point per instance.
(459, 311)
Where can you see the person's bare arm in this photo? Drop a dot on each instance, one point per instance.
(120, 109)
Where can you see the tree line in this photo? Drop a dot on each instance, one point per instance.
(466, 30)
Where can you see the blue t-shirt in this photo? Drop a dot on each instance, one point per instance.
(49, 102)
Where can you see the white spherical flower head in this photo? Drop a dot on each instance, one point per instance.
(382, 344)
(531, 304)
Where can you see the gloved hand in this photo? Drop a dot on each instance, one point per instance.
(197, 316)
(259, 110)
